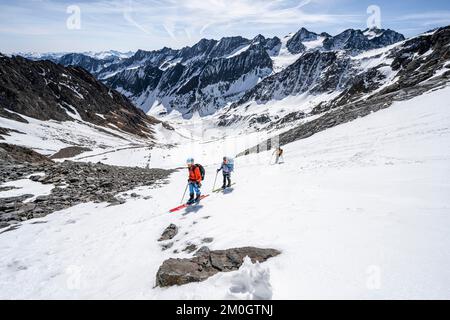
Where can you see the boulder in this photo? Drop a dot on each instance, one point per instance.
(207, 263)
(169, 233)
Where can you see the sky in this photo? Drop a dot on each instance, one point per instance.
(129, 25)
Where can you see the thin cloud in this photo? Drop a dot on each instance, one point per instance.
(441, 15)
(199, 16)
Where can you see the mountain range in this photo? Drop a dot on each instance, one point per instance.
(212, 74)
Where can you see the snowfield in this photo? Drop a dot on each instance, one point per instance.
(48, 137)
(359, 211)
(24, 187)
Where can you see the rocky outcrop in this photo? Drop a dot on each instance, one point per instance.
(69, 152)
(206, 263)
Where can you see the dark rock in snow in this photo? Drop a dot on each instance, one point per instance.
(207, 263)
(190, 248)
(169, 233)
(166, 246)
(207, 240)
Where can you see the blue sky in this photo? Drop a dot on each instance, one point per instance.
(41, 25)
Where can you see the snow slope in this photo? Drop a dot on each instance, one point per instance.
(48, 137)
(359, 211)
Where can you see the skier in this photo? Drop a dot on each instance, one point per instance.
(194, 181)
(278, 154)
(226, 168)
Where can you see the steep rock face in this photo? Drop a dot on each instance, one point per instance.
(220, 81)
(295, 44)
(46, 91)
(232, 69)
(136, 81)
(314, 72)
(353, 40)
(271, 45)
(384, 37)
(227, 46)
(199, 50)
(356, 41)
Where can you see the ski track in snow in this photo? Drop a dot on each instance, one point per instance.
(362, 201)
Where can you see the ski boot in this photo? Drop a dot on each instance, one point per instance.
(191, 199)
(197, 199)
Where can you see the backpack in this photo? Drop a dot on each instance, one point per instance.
(230, 164)
(202, 170)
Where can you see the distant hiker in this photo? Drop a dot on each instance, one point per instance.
(227, 167)
(196, 175)
(278, 154)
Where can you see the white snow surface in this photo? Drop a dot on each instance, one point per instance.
(359, 211)
(251, 282)
(26, 186)
(48, 137)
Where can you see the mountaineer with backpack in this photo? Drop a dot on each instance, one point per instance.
(227, 168)
(196, 175)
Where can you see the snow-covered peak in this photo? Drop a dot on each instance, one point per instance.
(108, 54)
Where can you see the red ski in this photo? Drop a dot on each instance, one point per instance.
(187, 205)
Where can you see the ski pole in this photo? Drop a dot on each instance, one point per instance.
(214, 186)
(184, 193)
